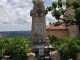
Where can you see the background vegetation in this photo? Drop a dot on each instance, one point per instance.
(18, 47)
(67, 47)
(9, 34)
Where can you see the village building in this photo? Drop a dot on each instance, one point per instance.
(60, 31)
(73, 29)
(69, 10)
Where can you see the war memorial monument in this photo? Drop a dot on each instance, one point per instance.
(41, 49)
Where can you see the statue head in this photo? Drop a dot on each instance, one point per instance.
(38, 1)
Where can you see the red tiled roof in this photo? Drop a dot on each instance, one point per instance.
(56, 27)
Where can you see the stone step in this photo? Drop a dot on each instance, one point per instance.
(44, 58)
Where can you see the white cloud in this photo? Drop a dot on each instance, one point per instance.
(54, 0)
(2, 4)
(50, 18)
(17, 13)
(15, 1)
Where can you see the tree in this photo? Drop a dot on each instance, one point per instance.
(57, 9)
(76, 6)
(70, 19)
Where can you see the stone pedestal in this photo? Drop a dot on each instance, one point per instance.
(54, 55)
(31, 56)
(49, 53)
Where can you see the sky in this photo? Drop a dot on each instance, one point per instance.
(15, 15)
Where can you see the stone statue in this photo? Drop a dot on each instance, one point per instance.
(38, 1)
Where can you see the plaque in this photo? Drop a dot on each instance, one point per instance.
(41, 52)
(38, 25)
(41, 49)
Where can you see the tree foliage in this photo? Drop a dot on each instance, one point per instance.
(56, 9)
(76, 6)
(67, 47)
(16, 48)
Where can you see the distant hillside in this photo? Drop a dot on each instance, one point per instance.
(8, 34)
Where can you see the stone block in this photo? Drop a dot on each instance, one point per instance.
(31, 56)
(54, 55)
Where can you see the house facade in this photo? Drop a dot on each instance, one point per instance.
(59, 31)
(62, 32)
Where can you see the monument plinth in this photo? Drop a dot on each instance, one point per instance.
(38, 36)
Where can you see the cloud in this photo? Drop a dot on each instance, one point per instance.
(14, 10)
(50, 18)
(2, 4)
(17, 13)
(54, 0)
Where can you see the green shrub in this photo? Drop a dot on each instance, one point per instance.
(1, 46)
(16, 47)
(67, 47)
(52, 39)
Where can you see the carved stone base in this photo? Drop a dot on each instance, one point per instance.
(31, 56)
(54, 55)
(43, 53)
(39, 41)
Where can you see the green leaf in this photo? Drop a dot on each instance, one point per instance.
(54, 5)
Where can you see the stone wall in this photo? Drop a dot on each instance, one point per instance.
(73, 31)
(70, 10)
(60, 33)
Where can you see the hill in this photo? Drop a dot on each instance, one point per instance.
(9, 34)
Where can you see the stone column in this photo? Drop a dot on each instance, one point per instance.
(54, 55)
(38, 14)
(31, 56)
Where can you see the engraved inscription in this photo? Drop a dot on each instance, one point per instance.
(38, 26)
